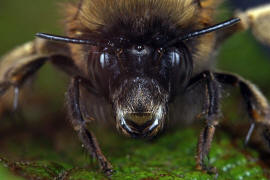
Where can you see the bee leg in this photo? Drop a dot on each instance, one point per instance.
(212, 114)
(256, 104)
(20, 64)
(204, 144)
(15, 76)
(87, 138)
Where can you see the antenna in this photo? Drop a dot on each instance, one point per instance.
(197, 33)
(73, 40)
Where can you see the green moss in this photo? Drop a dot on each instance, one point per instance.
(170, 157)
(6, 174)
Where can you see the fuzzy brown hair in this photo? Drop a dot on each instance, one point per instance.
(95, 15)
(106, 18)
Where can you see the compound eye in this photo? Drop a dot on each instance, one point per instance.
(175, 57)
(104, 59)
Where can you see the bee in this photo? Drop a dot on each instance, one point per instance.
(141, 57)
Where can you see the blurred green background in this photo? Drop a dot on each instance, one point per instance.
(37, 142)
(19, 21)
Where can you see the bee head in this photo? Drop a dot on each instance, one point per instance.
(143, 81)
(139, 54)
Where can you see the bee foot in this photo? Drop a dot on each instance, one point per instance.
(108, 171)
(208, 169)
(211, 170)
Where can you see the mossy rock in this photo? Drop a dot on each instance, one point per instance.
(172, 156)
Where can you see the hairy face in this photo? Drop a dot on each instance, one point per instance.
(134, 68)
(142, 79)
(140, 105)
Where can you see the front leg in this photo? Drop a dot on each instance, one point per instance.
(211, 111)
(87, 138)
